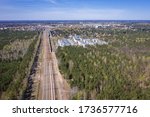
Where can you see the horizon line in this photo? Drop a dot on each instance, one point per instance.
(82, 20)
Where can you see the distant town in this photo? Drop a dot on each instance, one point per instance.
(38, 25)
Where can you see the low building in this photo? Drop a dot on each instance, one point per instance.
(78, 41)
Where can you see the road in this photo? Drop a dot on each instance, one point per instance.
(52, 85)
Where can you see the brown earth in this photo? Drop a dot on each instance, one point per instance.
(52, 85)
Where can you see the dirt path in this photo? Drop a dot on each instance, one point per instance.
(61, 84)
(52, 85)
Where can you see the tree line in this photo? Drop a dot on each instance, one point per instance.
(17, 48)
(119, 70)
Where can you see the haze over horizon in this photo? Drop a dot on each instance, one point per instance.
(74, 10)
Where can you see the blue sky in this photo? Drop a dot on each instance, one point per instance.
(74, 9)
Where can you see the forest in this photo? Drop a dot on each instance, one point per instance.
(119, 70)
(16, 54)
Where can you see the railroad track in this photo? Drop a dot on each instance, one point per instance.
(52, 79)
(52, 85)
(48, 80)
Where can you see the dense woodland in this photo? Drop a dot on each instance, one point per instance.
(16, 54)
(119, 70)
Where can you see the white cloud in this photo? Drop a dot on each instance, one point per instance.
(97, 13)
(76, 14)
(51, 1)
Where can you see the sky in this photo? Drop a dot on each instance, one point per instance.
(74, 9)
